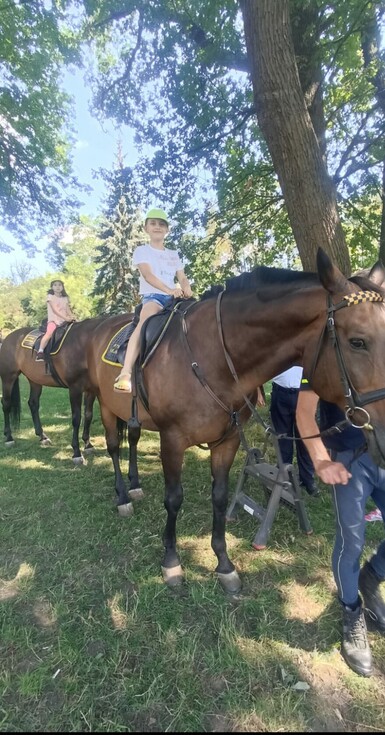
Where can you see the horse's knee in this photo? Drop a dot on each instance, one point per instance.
(112, 448)
(173, 499)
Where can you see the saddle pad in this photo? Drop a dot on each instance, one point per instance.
(110, 355)
(30, 339)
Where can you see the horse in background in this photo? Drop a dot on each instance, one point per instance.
(200, 384)
(69, 371)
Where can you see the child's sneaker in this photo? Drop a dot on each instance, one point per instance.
(39, 357)
(374, 515)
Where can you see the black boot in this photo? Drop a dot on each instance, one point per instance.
(369, 585)
(355, 647)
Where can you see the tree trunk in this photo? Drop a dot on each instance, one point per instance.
(381, 250)
(306, 30)
(371, 45)
(285, 123)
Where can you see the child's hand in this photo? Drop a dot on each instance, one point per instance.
(177, 293)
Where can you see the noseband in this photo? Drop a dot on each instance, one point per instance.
(355, 401)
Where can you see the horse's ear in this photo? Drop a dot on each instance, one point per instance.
(377, 274)
(330, 276)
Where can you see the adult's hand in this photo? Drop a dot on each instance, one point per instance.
(332, 473)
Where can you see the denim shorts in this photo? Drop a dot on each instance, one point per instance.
(162, 299)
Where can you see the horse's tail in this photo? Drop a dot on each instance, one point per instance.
(15, 407)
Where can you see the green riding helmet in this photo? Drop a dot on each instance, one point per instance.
(156, 214)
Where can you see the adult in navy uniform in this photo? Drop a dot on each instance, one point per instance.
(283, 404)
(342, 460)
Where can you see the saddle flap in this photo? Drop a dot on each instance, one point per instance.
(155, 327)
(58, 338)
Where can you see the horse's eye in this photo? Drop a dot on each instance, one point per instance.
(358, 344)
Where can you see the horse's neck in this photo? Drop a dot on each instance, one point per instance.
(265, 337)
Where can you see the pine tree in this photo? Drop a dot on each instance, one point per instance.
(117, 282)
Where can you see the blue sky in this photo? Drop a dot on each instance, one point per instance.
(96, 147)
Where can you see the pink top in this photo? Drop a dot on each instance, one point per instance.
(61, 305)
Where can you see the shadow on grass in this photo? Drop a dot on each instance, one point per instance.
(91, 638)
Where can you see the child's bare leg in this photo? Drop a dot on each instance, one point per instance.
(123, 381)
(43, 342)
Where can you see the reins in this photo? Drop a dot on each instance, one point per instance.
(234, 421)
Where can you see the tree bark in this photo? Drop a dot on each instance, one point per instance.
(371, 44)
(381, 249)
(285, 123)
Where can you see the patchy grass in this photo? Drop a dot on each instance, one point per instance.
(91, 640)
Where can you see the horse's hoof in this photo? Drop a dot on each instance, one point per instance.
(173, 576)
(136, 494)
(45, 442)
(88, 449)
(10, 444)
(230, 583)
(78, 461)
(126, 510)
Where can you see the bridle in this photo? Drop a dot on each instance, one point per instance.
(354, 400)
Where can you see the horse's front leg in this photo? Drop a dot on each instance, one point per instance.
(76, 410)
(134, 431)
(88, 405)
(222, 458)
(125, 507)
(34, 406)
(172, 459)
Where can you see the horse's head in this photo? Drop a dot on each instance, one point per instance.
(349, 367)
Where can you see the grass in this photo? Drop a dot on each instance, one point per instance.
(92, 641)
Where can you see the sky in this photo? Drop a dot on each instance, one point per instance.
(96, 147)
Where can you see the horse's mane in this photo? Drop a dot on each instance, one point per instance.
(268, 276)
(366, 284)
(263, 276)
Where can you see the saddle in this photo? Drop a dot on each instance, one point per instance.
(153, 332)
(58, 337)
(52, 348)
(32, 340)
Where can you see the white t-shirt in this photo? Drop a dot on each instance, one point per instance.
(290, 378)
(163, 263)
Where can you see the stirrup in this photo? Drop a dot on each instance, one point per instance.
(122, 383)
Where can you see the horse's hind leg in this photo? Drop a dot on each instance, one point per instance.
(34, 406)
(222, 458)
(125, 507)
(10, 402)
(89, 399)
(172, 459)
(9, 440)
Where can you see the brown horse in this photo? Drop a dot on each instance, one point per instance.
(201, 381)
(70, 371)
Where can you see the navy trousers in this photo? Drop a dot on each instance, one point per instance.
(349, 503)
(283, 406)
